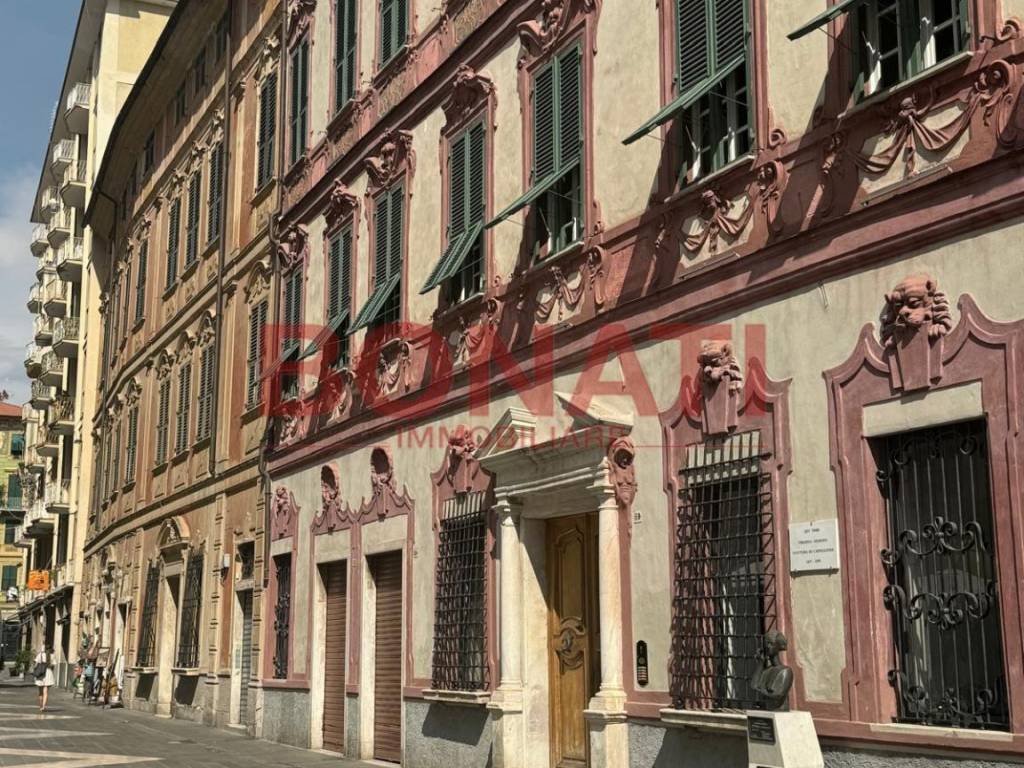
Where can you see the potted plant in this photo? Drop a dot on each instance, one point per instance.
(23, 661)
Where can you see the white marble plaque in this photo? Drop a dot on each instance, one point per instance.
(814, 546)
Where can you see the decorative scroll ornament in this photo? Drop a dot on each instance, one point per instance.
(293, 246)
(471, 340)
(385, 501)
(772, 178)
(992, 91)
(720, 383)
(569, 642)
(340, 204)
(915, 320)
(540, 36)
(258, 283)
(714, 213)
(394, 157)
(567, 295)
(300, 15)
(334, 513)
(469, 89)
(284, 513)
(393, 366)
(621, 454)
(268, 56)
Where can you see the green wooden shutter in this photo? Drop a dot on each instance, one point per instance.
(140, 281)
(477, 182)
(395, 232)
(381, 223)
(267, 129)
(345, 281)
(344, 51)
(543, 124)
(730, 29)
(173, 234)
(387, 30)
(570, 108)
(334, 278)
(692, 43)
(304, 96)
(457, 187)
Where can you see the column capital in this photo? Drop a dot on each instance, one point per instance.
(508, 508)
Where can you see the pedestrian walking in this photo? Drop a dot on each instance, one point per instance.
(43, 674)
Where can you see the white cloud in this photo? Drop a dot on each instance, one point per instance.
(17, 273)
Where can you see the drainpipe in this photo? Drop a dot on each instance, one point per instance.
(275, 272)
(221, 248)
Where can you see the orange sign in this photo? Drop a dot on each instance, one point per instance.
(39, 580)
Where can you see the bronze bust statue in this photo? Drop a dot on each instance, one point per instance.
(773, 679)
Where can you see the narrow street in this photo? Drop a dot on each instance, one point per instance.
(71, 734)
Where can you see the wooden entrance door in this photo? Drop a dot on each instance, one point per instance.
(245, 662)
(573, 635)
(386, 571)
(335, 584)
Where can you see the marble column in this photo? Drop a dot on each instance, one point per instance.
(507, 703)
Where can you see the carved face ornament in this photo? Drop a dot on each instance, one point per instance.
(915, 303)
(717, 363)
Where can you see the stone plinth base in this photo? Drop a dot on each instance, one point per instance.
(782, 740)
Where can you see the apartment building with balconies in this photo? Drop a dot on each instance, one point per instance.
(111, 44)
(175, 542)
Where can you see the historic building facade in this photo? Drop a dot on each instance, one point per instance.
(589, 316)
(174, 550)
(113, 40)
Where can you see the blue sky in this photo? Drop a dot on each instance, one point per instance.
(35, 36)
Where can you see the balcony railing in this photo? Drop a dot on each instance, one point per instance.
(49, 201)
(72, 188)
(33, 358)
(42, 396)
(69, 256)
(52, 368)
(55, 297)
(65, 336)
(57, 494)
(35, 297)
(39, 241)
(63, 152)
(63, 409)
(12, 502)
(42, 330)
(60, 227)
(78, 96)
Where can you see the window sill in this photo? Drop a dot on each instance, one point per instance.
(342, 116)
(296, 168)
(170, 289)
(210, 248)
(454, 310)
(458, 698)
(885, 93)
(128, 486)
(160, 468)
(262, 191)
(392, 66)
(252, 410)
(180, 456)
(698, 185)
(201, 442)
(186, 671)
(138, 324)
(189, 270)
(144, 670)
(543, 263)
(934, 732)
(714, 722)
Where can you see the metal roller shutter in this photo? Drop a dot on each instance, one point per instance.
(387, 704)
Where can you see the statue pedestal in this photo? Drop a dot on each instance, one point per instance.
(782, 740)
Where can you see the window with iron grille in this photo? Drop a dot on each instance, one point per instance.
(460, 602)
(254, 359)
(184, 408)
(216, 193)
(191, 609)
(345, 31)
(192, 222)
(298, 120)
(173, 240)
(163, 421)
(942, 589)
(204, 422)
(147, 623)
(133, 437)
(267, 132)
(724, 601)
(140, 280)
(394, 28)
(282, 614)
(460, 268)
(384, 305)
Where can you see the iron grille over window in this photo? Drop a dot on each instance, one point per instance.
(282, 614)
(942, 586)
(724, 600)
(147, 633)
(188, 644)
(460, 610)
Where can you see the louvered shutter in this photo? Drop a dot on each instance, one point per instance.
(345, 282)
(268, 129)
(730, 33)
(476, 174)
(162, 421)
(173, 233)
(570, 108)
(216, 191)
(712, 39)
(350, 48)
(387, 24)
(457, 188)
(192, 233)
(380, 256)
(205, 393)
(402, 23)
(303, 94)
(296, 317)
(334, 278)
(543, 124)
(395, 233)
(691, 18)
(140, 281)
(344, 51)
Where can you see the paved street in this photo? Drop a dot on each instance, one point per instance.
(73, 735)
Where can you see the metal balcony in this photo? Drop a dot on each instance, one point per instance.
(65, 337)
(42, 395)
(42, 329)
(52, 369)
(49, 201)
(62, 415)
(69, 260)
(48, 441)
(59, 227)
(21, 538)
(33, 360)
(72, 187)
(12, 505)
(76, 113)
(57, 497)
(63, 154)
(39, 241)
(38, 522)
(55, 298)
(46, 265)
(34, 462)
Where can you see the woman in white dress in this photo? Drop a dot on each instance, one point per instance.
(43, 673)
